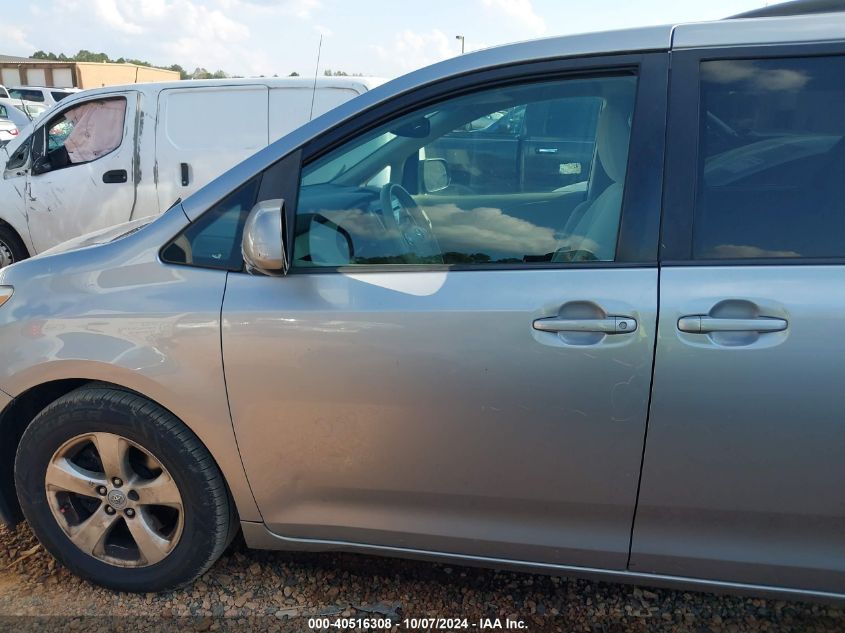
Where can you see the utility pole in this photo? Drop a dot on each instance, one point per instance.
(463, 42)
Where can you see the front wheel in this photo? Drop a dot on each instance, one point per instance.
(12, 249)
(121, 492)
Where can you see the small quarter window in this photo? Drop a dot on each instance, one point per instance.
(214, 239)
(20, 157)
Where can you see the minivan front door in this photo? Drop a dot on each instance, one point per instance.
(453, 379)
(87, 182)
(743, 470)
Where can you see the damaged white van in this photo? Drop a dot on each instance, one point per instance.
(110, 155)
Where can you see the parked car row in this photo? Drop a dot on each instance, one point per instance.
(46, 96)
(15, 115)
(110, 155)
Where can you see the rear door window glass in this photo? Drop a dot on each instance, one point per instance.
(771, 159)
(28, 95)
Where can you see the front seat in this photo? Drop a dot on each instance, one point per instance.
(594, 224)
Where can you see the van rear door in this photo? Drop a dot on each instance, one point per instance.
(202, 132)
(290, 107)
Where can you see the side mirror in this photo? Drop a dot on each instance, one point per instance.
(435, 174)
(41, 165)
(263, 243)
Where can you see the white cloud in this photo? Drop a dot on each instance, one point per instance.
(410, 50)
(109, 13)
(16, 39)
(193, 33)
(519, 11)
(300, 8)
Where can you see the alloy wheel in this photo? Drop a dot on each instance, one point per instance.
(114, 500)
(6, 257)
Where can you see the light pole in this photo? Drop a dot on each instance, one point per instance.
(461, 37)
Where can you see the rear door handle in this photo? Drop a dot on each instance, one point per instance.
(703, 324)
(547, 150)
(115, 176)
(185, 178)
(607, 325)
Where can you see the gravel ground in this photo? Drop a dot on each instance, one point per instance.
(272, 591)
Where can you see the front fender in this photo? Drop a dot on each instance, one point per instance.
(115, 313)
(8, 516)
(13, 207)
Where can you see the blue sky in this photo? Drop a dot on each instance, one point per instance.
(376, 37)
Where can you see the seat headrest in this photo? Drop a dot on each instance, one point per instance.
(612, 136)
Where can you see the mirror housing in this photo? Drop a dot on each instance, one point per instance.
(263, 244)
(435, 175)
(41, 165)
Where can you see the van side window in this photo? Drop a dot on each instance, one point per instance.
(520, 175)
(771, 159)
(85, 132)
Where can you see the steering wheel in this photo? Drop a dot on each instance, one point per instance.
(409, 223)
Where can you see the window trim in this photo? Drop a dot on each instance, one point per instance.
(637, 240)
(681, 166)
(46, 126)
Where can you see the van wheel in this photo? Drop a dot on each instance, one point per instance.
(11, 247)
(121, 492)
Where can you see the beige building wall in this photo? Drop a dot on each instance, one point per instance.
(81, 74)
(94, 75)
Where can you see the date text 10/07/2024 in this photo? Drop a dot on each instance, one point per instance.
(418, 624)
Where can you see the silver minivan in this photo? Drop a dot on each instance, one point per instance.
(565, 306)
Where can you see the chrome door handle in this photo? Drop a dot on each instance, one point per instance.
(607, 325)
(703, 324)
(547, 150)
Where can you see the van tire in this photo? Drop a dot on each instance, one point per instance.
(12, 249)
(208, 522)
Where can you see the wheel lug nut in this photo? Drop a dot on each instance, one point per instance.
(130, 512)
(117, 482)
(101, 490)
(110, 510)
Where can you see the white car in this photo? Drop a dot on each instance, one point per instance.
(110, 155)
(8, 130)
(22, 113)
(41, 94)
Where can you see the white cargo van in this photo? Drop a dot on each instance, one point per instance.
(106, 156)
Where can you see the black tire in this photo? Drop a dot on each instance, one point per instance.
(208, 512)
(11, 246)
